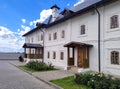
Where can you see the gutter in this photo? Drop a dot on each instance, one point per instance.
(99, 35)
(43, 43)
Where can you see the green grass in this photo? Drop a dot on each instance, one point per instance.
(27, 69)
(68, 83)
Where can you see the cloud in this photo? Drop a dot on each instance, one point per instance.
(23, 21)
(23, 30)
(79, 2)
(44, 14)
(13, 41)
(10, 41)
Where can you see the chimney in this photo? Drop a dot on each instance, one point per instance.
(55, 14)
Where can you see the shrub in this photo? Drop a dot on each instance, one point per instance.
(97, 81)
(36, 65)
(21, 59)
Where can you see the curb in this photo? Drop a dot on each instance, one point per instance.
(30, 73)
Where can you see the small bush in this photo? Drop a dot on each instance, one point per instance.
(21, 59)
(36, 65)
(97, 81)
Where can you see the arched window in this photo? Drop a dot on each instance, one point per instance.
(63, 34)
(115, 57)
(82, 30)
(114, 23)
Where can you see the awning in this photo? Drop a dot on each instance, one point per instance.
(77, 44)
(30, 45)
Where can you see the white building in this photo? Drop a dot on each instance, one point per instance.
(86, 36)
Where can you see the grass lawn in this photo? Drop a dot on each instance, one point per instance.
(68, 83)
(27, 69)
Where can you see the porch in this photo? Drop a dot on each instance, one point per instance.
(33, 51)
(78, 55)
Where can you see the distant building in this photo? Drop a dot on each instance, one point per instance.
(86, 36)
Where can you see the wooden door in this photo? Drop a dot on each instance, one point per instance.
(80, 57)
(83, 57)
(71, 56)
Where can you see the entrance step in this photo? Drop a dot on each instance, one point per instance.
(73, 68)
(77, 69)
(80, 70)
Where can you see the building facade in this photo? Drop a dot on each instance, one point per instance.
(86, 36)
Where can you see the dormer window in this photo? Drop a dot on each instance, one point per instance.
(82, 30)
(114, 22)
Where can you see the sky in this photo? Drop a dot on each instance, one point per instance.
(19, 16)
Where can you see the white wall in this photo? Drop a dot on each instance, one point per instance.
(58, 44)
(111, 38)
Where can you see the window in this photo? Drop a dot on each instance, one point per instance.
(55, 36)
(41, 37)
(28, 40)
(63, 34)
(61, 55)
(38, 38)
(54, 55)
(114, 57)
(32, 40)
(114, 23)
(48, 55)
(49, 36)
(82, 30)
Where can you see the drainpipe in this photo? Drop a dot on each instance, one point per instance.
(99, 47)
(43, 43)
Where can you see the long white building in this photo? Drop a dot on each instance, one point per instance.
(86, 36)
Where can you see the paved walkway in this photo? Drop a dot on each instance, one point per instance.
(14, 78)
(48, 75)
(51, 75)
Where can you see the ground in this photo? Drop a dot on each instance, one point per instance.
(13, 78)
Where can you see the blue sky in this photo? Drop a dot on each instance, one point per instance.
(19, 16)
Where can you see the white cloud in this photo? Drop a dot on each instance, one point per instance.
(25, 30)
(10, 41)
(79, 2)
(23, 21)
(44, 14)
(13, 41)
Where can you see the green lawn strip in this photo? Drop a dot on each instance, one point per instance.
(68, 83)
(24, 67)
(28, 69)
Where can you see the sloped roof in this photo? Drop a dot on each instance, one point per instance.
(79, 9)
(77, 44)
(31, 45)
(85, 4)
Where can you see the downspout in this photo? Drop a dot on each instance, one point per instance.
(43, 43)
(99, 47)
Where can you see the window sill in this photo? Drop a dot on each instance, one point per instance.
(82, 35)
(114, 66)
(113, 30)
